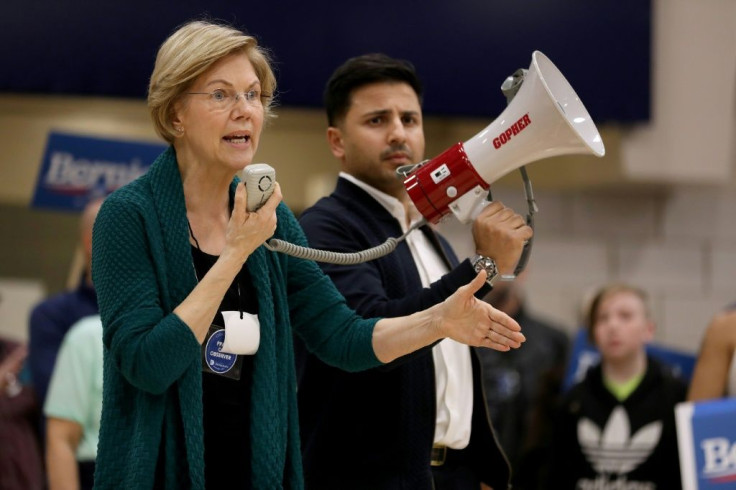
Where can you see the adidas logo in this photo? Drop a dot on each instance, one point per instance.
(621, 483)
(614, 450)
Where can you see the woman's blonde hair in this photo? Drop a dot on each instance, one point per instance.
(190, 51)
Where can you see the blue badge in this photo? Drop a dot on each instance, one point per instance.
(218, 361)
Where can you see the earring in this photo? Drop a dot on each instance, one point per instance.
(179, 129)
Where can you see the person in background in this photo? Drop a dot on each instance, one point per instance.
(523, 387)
(616, 428)
(420, 422)
(51, 318)
(715, 369)
(73, 407)
(21, 464)
(198, 315)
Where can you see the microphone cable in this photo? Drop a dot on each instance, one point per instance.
(340, 258)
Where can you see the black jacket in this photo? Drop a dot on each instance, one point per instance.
(374, 429)
(643, 424)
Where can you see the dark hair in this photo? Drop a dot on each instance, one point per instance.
(606, 292)
(363, 70)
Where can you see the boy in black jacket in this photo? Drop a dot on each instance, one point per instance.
(616, 428)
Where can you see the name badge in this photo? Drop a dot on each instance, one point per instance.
(214, 360)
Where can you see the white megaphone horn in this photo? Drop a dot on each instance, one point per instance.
(545, 119)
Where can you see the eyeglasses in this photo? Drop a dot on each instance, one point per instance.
(224, 99)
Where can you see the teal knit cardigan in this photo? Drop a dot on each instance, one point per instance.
(152, 403)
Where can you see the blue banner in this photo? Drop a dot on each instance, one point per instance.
(706, 437)
(76, 169)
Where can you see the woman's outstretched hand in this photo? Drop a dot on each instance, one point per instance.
(466, 319)
(461, 317)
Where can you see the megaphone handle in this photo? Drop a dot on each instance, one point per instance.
(527, 250)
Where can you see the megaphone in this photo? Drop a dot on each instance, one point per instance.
(545, 118)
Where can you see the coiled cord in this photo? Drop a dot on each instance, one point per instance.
(339, 258)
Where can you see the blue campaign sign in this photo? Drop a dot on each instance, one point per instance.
(706, 436)
(78, 168)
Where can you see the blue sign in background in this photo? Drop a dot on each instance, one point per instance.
(76, 169)
(707, 438)
(714, 436)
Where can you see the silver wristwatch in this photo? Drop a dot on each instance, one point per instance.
(481, 262)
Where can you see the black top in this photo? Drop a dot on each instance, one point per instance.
(226, 401)
(601, 442)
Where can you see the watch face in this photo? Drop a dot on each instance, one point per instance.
(487, 264)
(491, 268)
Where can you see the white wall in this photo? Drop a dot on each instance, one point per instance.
(690, 138)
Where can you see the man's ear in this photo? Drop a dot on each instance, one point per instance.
(334, 139)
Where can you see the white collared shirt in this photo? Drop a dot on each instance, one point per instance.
(452, 365)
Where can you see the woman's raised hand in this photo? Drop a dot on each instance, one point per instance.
(246, 231)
